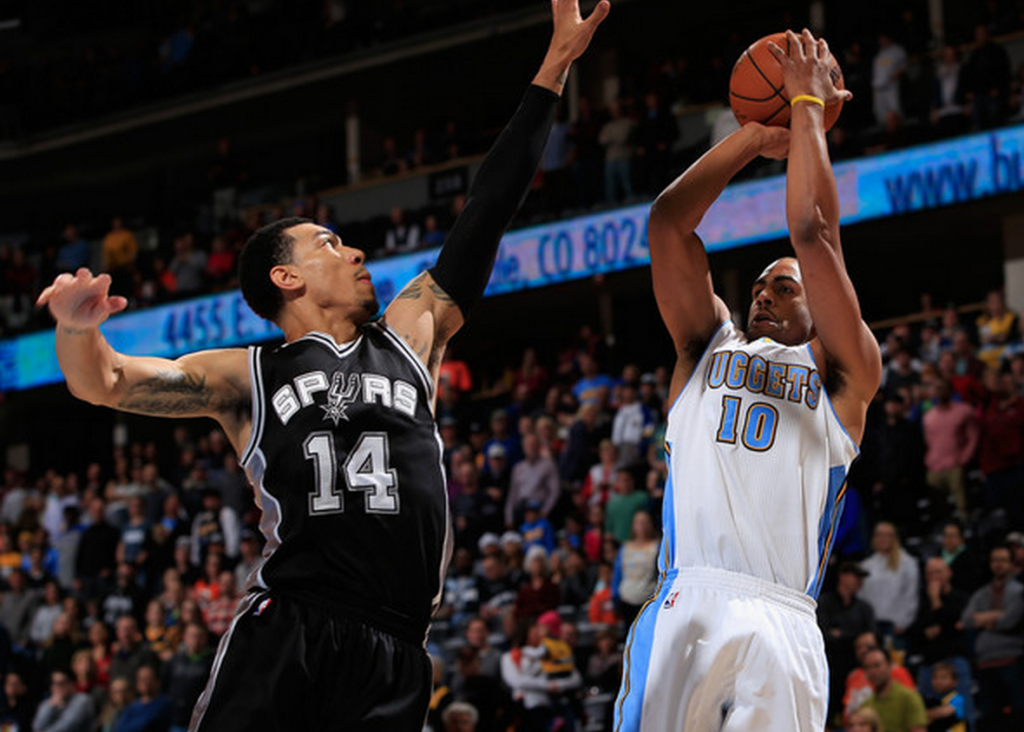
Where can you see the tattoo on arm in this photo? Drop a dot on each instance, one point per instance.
(413, 290)
(167, 394)
(441, 296)
(420, 347)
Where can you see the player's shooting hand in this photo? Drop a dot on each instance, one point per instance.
(81, 300)
(806, 68)
(572, 33)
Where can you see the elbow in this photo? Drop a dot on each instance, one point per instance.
(667, 214)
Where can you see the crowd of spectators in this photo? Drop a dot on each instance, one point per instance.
(622, 152)
(60, 66)
(119, 574)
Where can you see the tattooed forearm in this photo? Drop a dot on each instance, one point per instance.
(168, 393)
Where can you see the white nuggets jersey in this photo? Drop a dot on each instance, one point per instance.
(757, 464)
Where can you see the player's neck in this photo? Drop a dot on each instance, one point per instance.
(342, 327)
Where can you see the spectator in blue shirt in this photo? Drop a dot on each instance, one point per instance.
(151, 711)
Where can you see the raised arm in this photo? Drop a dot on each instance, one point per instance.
(679, 264)
(205, 384)
(434, 305)
(812, 209)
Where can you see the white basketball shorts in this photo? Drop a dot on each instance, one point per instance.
(717, 651)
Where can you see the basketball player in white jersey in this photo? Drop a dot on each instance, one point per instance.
(762, 430)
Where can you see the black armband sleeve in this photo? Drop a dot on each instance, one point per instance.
(464, 265)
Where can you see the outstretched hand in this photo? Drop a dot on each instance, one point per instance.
(572, 33)
(806, 69)
(81, 300)
(569, 39)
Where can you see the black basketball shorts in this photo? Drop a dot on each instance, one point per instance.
(284, 665)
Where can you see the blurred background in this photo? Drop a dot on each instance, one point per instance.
(149, 140)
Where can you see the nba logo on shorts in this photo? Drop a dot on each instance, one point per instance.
(262, 606)
(670, 601)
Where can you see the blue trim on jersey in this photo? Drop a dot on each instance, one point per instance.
(831, 406)
(637, 659)
(834, 502)
(695, 365)
(667, 553)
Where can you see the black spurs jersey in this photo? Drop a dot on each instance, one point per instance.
(347, 461)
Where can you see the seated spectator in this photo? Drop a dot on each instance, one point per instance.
(401, 236)
(121, 695)
(946, 710)
(536, 529)
(18, 606)
(900, 709)
(185, 674)
(843, 617)
(522, 672)
(604, 667)
(46, 614)
(497, 590)
(864, 720)
(66, 710)
(99, 647)
(162, 639)
(461, 594)
(539, 594)
(17, 708)
(151, 711)
(997, 327)
(601, 610)
(577, 580)
(61, 646)
(636, 567)
(858, 686)
(460, 716)
(994, 613)
(593, 386)
(888, 68)
(969, 570)
(129, 652)
(86, 682)
(937, 633)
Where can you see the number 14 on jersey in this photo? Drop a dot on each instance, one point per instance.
(366, 469)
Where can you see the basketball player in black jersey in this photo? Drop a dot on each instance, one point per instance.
(335, 429)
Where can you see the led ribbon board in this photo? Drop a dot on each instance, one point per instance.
(929, 176)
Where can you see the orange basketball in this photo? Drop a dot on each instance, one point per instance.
(756, 90)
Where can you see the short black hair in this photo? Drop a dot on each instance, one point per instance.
(264, 250)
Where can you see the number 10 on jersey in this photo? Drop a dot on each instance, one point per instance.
(760, 422)
(366, 469)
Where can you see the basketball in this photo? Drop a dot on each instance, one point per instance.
(756, 91)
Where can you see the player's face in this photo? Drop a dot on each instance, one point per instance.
(779, 309)
(334, 275)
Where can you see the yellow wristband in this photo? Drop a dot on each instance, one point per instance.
(807, 98)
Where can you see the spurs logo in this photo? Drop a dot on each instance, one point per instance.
(340, 396)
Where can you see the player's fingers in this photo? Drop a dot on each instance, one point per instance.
(823, 51)
(845, 94)
(796, 47)
(60, 281)
(83, 273)
(776, 51)
(102, 282)
(809, 43)
(116, 304)
(598, 15)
